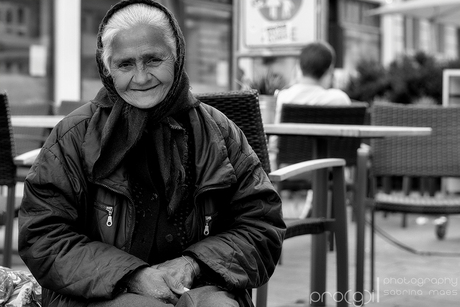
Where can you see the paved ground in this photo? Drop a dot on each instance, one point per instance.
(402, 278)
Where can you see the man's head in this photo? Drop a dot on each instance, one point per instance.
(317, 59)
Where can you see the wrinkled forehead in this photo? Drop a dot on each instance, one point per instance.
(143, 41)
(135, 15)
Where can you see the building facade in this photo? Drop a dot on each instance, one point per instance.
(47, 47)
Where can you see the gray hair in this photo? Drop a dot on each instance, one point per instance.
(129, 17)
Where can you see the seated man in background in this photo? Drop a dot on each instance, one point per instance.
(316, 61)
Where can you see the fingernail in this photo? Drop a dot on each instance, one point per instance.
(186, 289)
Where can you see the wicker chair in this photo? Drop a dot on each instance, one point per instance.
(242, 107)
(293, 149)
(404, 164)
(8, 178)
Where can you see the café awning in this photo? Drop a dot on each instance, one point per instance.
(435, 11)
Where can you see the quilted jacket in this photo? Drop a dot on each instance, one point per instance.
(75, 231)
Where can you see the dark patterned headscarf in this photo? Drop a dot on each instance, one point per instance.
(126, 123)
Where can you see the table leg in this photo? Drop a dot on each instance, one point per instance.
(360, 190)
(319, 241)
(320, 148)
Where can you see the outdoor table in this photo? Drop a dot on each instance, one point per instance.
(320, 135)
(35, 121)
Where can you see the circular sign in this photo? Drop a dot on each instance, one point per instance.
(279, 10)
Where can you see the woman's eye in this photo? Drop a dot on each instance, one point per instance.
(124, 65)
(153, 61)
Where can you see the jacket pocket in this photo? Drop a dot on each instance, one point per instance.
(194, 224)
(199, 225)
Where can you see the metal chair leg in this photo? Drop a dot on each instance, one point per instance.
(261, 296)
(8, 243)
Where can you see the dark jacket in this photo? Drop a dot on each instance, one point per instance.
(71, 248)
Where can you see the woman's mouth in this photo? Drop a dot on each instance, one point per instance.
(145, 89)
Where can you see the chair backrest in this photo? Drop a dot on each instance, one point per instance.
(7, 166)
(242, 107)
(436, 155)
(293, 149)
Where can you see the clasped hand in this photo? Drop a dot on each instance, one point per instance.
(166, 281)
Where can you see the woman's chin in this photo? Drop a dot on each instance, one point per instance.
(145, 103)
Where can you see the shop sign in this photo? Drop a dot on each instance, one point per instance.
(272, 23)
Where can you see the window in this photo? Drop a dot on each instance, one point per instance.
(440, 36)
(25, 52)
(208, 38)
(92, 13)
(411, 33)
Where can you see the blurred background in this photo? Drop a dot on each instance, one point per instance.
(47, 47)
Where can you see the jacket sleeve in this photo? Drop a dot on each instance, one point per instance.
(244, 254)
(52, 240)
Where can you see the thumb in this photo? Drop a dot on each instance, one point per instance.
(174, 285)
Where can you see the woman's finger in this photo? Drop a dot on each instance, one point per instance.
(175, 285)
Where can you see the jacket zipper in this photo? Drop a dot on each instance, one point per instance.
(126, 244)
(207, 220)
(109, 210)
(109, 217)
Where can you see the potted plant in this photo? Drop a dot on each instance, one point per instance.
(268, 86)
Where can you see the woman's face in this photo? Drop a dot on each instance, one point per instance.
(142, 66)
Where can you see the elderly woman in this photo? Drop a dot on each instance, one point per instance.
(145, 196)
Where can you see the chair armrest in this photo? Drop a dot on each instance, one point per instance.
(304, 167)
(27, 158)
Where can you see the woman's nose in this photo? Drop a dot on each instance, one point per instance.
(141, 75)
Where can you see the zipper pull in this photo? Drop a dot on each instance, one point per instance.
(207, 220)
(109, 217)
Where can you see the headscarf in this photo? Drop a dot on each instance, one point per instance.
(126, 123)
